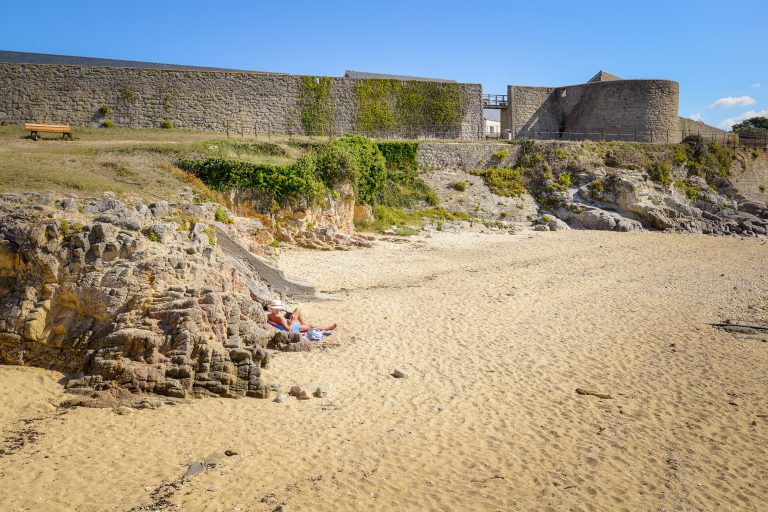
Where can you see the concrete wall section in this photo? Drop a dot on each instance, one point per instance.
(217, 101)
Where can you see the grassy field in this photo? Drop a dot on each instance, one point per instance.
(135, 162)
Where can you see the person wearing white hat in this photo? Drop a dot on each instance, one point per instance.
(293, 321)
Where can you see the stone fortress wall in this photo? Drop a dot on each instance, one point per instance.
(641, 110)
(246, 102)
(219, 101)
(693, 127)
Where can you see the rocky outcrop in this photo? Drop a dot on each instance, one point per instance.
(132, 296)
(327, 226)
(626, 200)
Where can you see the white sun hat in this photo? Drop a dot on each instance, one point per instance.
(277, 304)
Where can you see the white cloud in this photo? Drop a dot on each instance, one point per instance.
(727, 123)
(696, 117)
(734, 101)
(756, 85)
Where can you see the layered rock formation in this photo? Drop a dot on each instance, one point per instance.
(136, 296)
(627, 200)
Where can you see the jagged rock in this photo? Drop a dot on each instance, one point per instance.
(554, 224)
(159, 209)
(165, 233)
(102, 303)
(399, 374)
(608, 221)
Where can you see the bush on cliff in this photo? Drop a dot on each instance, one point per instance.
(347, 159)
(368, 166)
(399, 155)
(503, 182)
(297, 180)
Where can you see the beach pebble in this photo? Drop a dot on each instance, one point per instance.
(299, 393)
(324, 391)
(399, 374)
(281, 398)
(195, 468)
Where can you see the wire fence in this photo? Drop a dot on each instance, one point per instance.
(461, 133)
(625, 135)
(411, 132)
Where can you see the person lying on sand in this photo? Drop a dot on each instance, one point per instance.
(292, 321)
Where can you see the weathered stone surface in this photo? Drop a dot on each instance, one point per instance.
(242, 102)
(112, 309)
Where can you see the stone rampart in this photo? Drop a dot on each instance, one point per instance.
(466, 156)
(641, 110)
(219, 101)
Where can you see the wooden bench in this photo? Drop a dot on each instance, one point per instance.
(64, 129)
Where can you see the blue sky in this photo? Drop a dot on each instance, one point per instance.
(715, 50)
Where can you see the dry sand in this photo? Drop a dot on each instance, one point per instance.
(496, 333)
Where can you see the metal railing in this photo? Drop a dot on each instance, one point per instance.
(495, 100)
(752, 141)
(631, 134)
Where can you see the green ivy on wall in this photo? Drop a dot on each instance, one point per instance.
(384, 104)
(316, 106)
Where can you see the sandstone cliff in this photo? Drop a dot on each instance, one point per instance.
(136, 296)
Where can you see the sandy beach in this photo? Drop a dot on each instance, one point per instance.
(496, 332)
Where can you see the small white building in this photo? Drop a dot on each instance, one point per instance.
(491, 128)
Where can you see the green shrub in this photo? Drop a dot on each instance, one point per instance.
(503, 215)
(755, 153)
(105, 111)
(564, 180)
(596, 189)
(399, 155)
(459, 186)
(761, 188)
(660, 173)
(406, 231)
(368, 166)
(611, 160)
(692, 192)
(107, 123)
(503, 182)
(385, 217)
(405, 189)
(297, 180)
(501, 154)
(222, 216)
(679, 156)
(560, 154)
(694, 147)
(209, 232)
(166, 124)
(723, 157)
(262, 148)
(152, 236)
